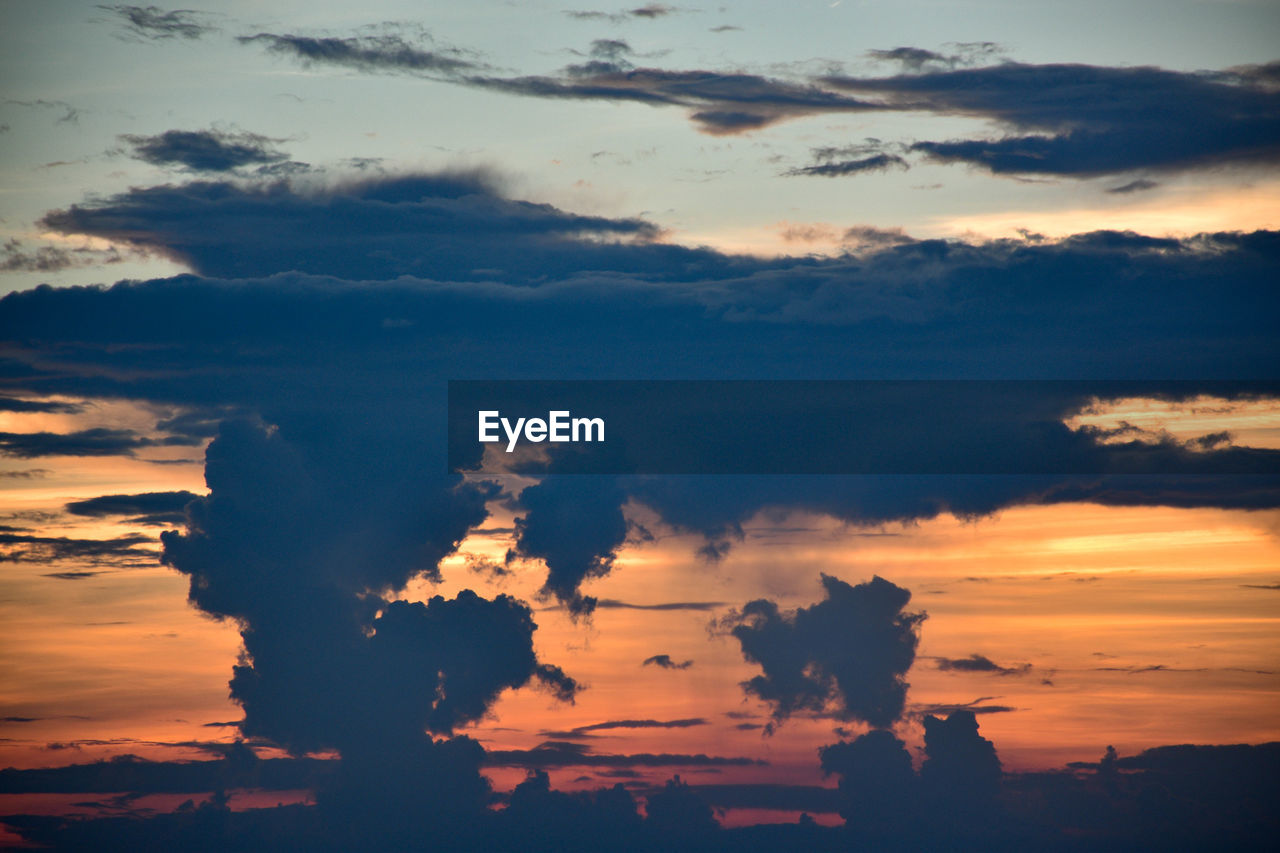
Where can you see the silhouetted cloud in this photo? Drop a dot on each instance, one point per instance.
(120, 551)
(146, 508)
(846, 654)
(666, 662)
(644, 724)
(12, 404)
(575, 524)
(369, 53)
(979, 663)
(878, 787)
(1087, 120)
(613, 603)
(977, 706)
(961, 770)
(98, 441)
(1136, 186)
(1054, 119)
(561, 754)
(205, 150)
(447, 226)
(155, 24)
(875, 163)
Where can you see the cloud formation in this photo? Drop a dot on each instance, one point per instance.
(665, 662)
(847, 654)
(151, 23)
(205, 150)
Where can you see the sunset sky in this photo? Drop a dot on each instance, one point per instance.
(246, 245)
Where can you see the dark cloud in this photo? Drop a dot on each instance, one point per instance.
(961, 768)
(875, 163)
(15, 258)
(98, 441)
(1135, 186)
(918, 59)
(299, 549)
(1085, 120)
(911, 58)
(665, 662)
(155, 24)
(575, 524)
(11, 404)
(327, 491)
(899, 309)
(718, 102)
(370, 53)
(120, 551)
(72, 576)
(561, 754)
(644, 724)
(649, 11)
(448, 226)
(977, 706)
(205, 150)
(607, 603)
(979, 663)
(877, 792)
(147, 508)
(846, 655)
(1070, 120)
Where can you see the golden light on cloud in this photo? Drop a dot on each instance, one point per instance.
(1179, 211)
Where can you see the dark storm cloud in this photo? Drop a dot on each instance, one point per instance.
(155, 24)
(369, 53)
(98, 441)
(665, 662)
(298, 540)
(1085, 120)
(15, 257)
(205, 150)
(902, 308)
(979, 663)
(846, 654)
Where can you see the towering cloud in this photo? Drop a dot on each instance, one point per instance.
(847, 654)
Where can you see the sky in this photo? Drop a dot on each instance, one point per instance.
(245, 246)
